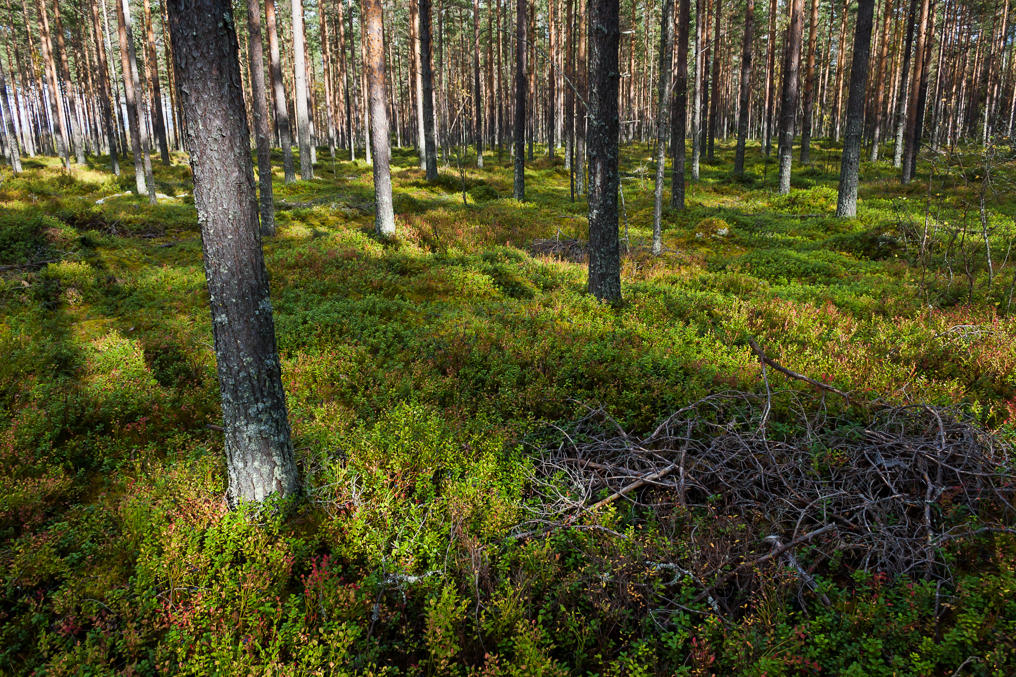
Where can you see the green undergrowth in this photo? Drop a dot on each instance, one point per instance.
(416, 371)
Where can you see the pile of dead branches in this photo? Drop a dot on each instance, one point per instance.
(886, 490)
(563, 249)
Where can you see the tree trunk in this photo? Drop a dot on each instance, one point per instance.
(105, 100)
(809, 86)
(477, 96)
(715, 99)
(912, 136)
(840, 66)
(700, 81)
(384, 218)
(744, 105)
(876, 132)
(279, 89)
(68, 88)
(770, 80)
(788, 105)
(521, 91)
(679, 112)
(427, 87)
(259, 453)
(846, 205)
(666, 58)
(901, 95)
(49, 64)
(13, 151)
(302, 93)
(152, 68)
(604, 80)
(132, 91)
(262, 130)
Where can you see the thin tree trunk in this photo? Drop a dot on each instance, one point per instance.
(744, 104)
(477, 96)
(303, 122)
(841, 64)
(262, 130)
(809, 86)
(912, 137)
(105, 100)
(770, 80)
(666, 58)
(850, 162)
(279, 89)
(259, 453)
(881, 85)
(13, 151)
(901, 95)
(152, 67)
(715, 100)
(68, 88)
(49, 64)
(679, 113)
(788, 109)
(132, 91)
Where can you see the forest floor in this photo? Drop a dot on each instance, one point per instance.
(422, 379)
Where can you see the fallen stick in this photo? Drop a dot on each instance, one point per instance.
(793, 374)
(633, 486)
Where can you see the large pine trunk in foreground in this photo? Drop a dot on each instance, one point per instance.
(259, 453)
(846, 205)
(384, 218)
(604, 80)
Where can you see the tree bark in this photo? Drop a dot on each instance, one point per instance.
(427, 87)
(901, 95)
(743, 108)
(809, 86)
(56, 101)
(105, 99)
(679, 113)
(850, 162)
(13, 151)
(521, 92)
(912, 136)
(477, 96)
(663, 100)
(302, 93)
(788, 105)
(262, 130)
(132, 91)
(68, 88)
(770, 80)
(152, 68)
(384, 218)
(714, 101)
(259, 454)
(604, 81)
(840, 66)
(279, 89)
